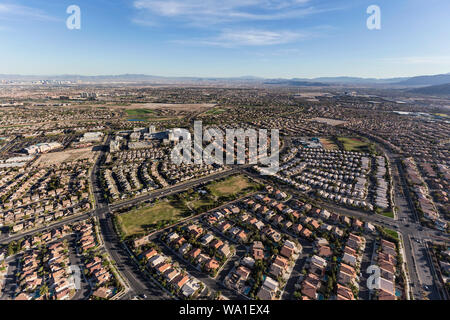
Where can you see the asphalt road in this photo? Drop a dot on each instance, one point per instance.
(174, 189)
(9, 238)
(138, 282)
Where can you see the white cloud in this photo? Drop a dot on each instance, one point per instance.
(201, 12)
(234, 38)
(14, 12)
(229, 19)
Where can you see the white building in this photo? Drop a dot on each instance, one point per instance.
(43, 147)
(92, 137)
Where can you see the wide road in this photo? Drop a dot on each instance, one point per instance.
(9, 238)
(174, 189)
(138, 282)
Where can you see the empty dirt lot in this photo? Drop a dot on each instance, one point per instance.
(56, 158)
(167, 106)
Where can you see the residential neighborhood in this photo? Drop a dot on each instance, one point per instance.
(99, 210)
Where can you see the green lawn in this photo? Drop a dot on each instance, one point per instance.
(391, 233)
(355, 144)
(215, 111)
(148, 115)
(136, 221)
(230, 186)
(198, 203)
(388, 213)
(139, 113)
(165, 212)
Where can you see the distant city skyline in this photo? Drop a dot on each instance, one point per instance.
(233, 38)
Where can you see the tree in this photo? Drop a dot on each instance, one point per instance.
(330, 284)
(44, 290)
(11, 248)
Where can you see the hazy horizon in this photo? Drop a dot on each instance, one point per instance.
(212, 76)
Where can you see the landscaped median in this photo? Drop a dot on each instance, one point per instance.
(389, 233)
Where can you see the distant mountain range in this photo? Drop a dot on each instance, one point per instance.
(441, 89)
(429, 80)
(426, 80)
(119, 78)
(404, 81)
(296, 83)
(354, 80)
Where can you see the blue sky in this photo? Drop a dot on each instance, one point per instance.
(267, 38)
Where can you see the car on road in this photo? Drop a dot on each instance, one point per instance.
(143, 296)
